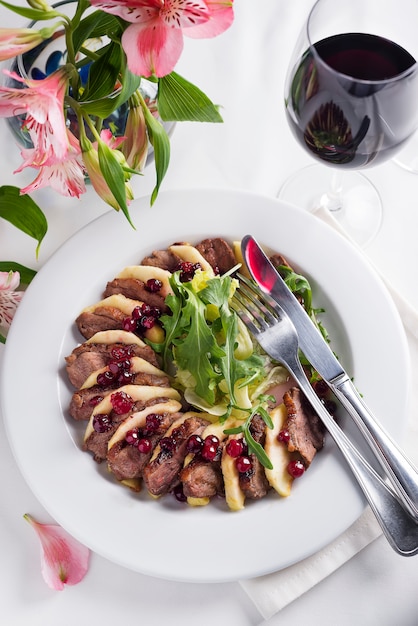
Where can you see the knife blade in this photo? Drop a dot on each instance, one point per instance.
(398, 469)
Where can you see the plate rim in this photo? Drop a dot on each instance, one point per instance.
(13, 337)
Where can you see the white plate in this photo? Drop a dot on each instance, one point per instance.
(163, 537)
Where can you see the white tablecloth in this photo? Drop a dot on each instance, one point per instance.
(244, 71)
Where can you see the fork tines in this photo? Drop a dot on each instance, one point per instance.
(254, 306)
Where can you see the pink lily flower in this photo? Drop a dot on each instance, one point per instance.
(15, 41)
(154, 41)
(9, 297)
(66, 175)
(43, 103)
(64, 560)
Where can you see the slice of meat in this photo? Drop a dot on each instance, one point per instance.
(102, 318)
(162, 473)
(83, 401)
(126, 461)
(201, 478)
(254, 483)
(278, 259)
(135, 289)
(97, 442)
(305, 429)
(218, 253)
(90, 357)
(166, 259)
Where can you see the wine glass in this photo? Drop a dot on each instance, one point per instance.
(352, 102)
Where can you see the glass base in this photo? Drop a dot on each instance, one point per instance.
(354, 202)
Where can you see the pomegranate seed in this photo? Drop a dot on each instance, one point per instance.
(146, 322)
(124, 378)
(243, 464)
(167, 444)
(119, 353)
(129, 324)
(187, 270)
(210, 448)
(179, 493)
(121, 402)
(144, 445)
(235, 448)
(283, 436)
(194, 444)
(113, 367)
(212, 439)
(153, 285)
(296, 468)
(105, 379)
(131, 437)
(136, 313)
(94, 401)
(102, 423)
(152, 423)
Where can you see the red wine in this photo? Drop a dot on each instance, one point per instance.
(352, 100)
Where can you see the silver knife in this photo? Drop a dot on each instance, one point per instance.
(402, 474)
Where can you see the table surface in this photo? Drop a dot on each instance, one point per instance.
(253, 150)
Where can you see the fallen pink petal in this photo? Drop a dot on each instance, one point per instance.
(64, 560)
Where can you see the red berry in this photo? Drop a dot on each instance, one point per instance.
(121, 402)
(167, 444)
(131, 437)
(194, 444)
(283, 436)
(243, 464)
(144, 445)
(153, 285)
(296, 468)
(129, 324)
(152, 423)
(94, 401)
(210, 448)
(179, 493)
(102, 423)
(235, 448)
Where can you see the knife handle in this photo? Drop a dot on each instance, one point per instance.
(401, 472)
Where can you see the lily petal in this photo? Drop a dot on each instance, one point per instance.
(64, 560)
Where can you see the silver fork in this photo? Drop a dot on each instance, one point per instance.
(275, 332)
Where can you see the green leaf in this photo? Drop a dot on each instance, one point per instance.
(103, 107)
(94, 25)
(31, 14)
(161, 144)
(23, 212)
(26, 274)
(180, 101)
(114, 176)
(2, 339)
(103, 73)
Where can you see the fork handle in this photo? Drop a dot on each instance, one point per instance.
(398, 526)
(402, 474)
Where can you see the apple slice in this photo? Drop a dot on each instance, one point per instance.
(278, 477)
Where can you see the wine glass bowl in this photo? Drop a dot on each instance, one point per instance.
(351, 97)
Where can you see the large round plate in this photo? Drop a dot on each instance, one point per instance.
(163, 537)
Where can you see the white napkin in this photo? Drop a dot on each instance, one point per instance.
(273, 592)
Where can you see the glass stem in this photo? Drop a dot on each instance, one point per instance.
(333, 199)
